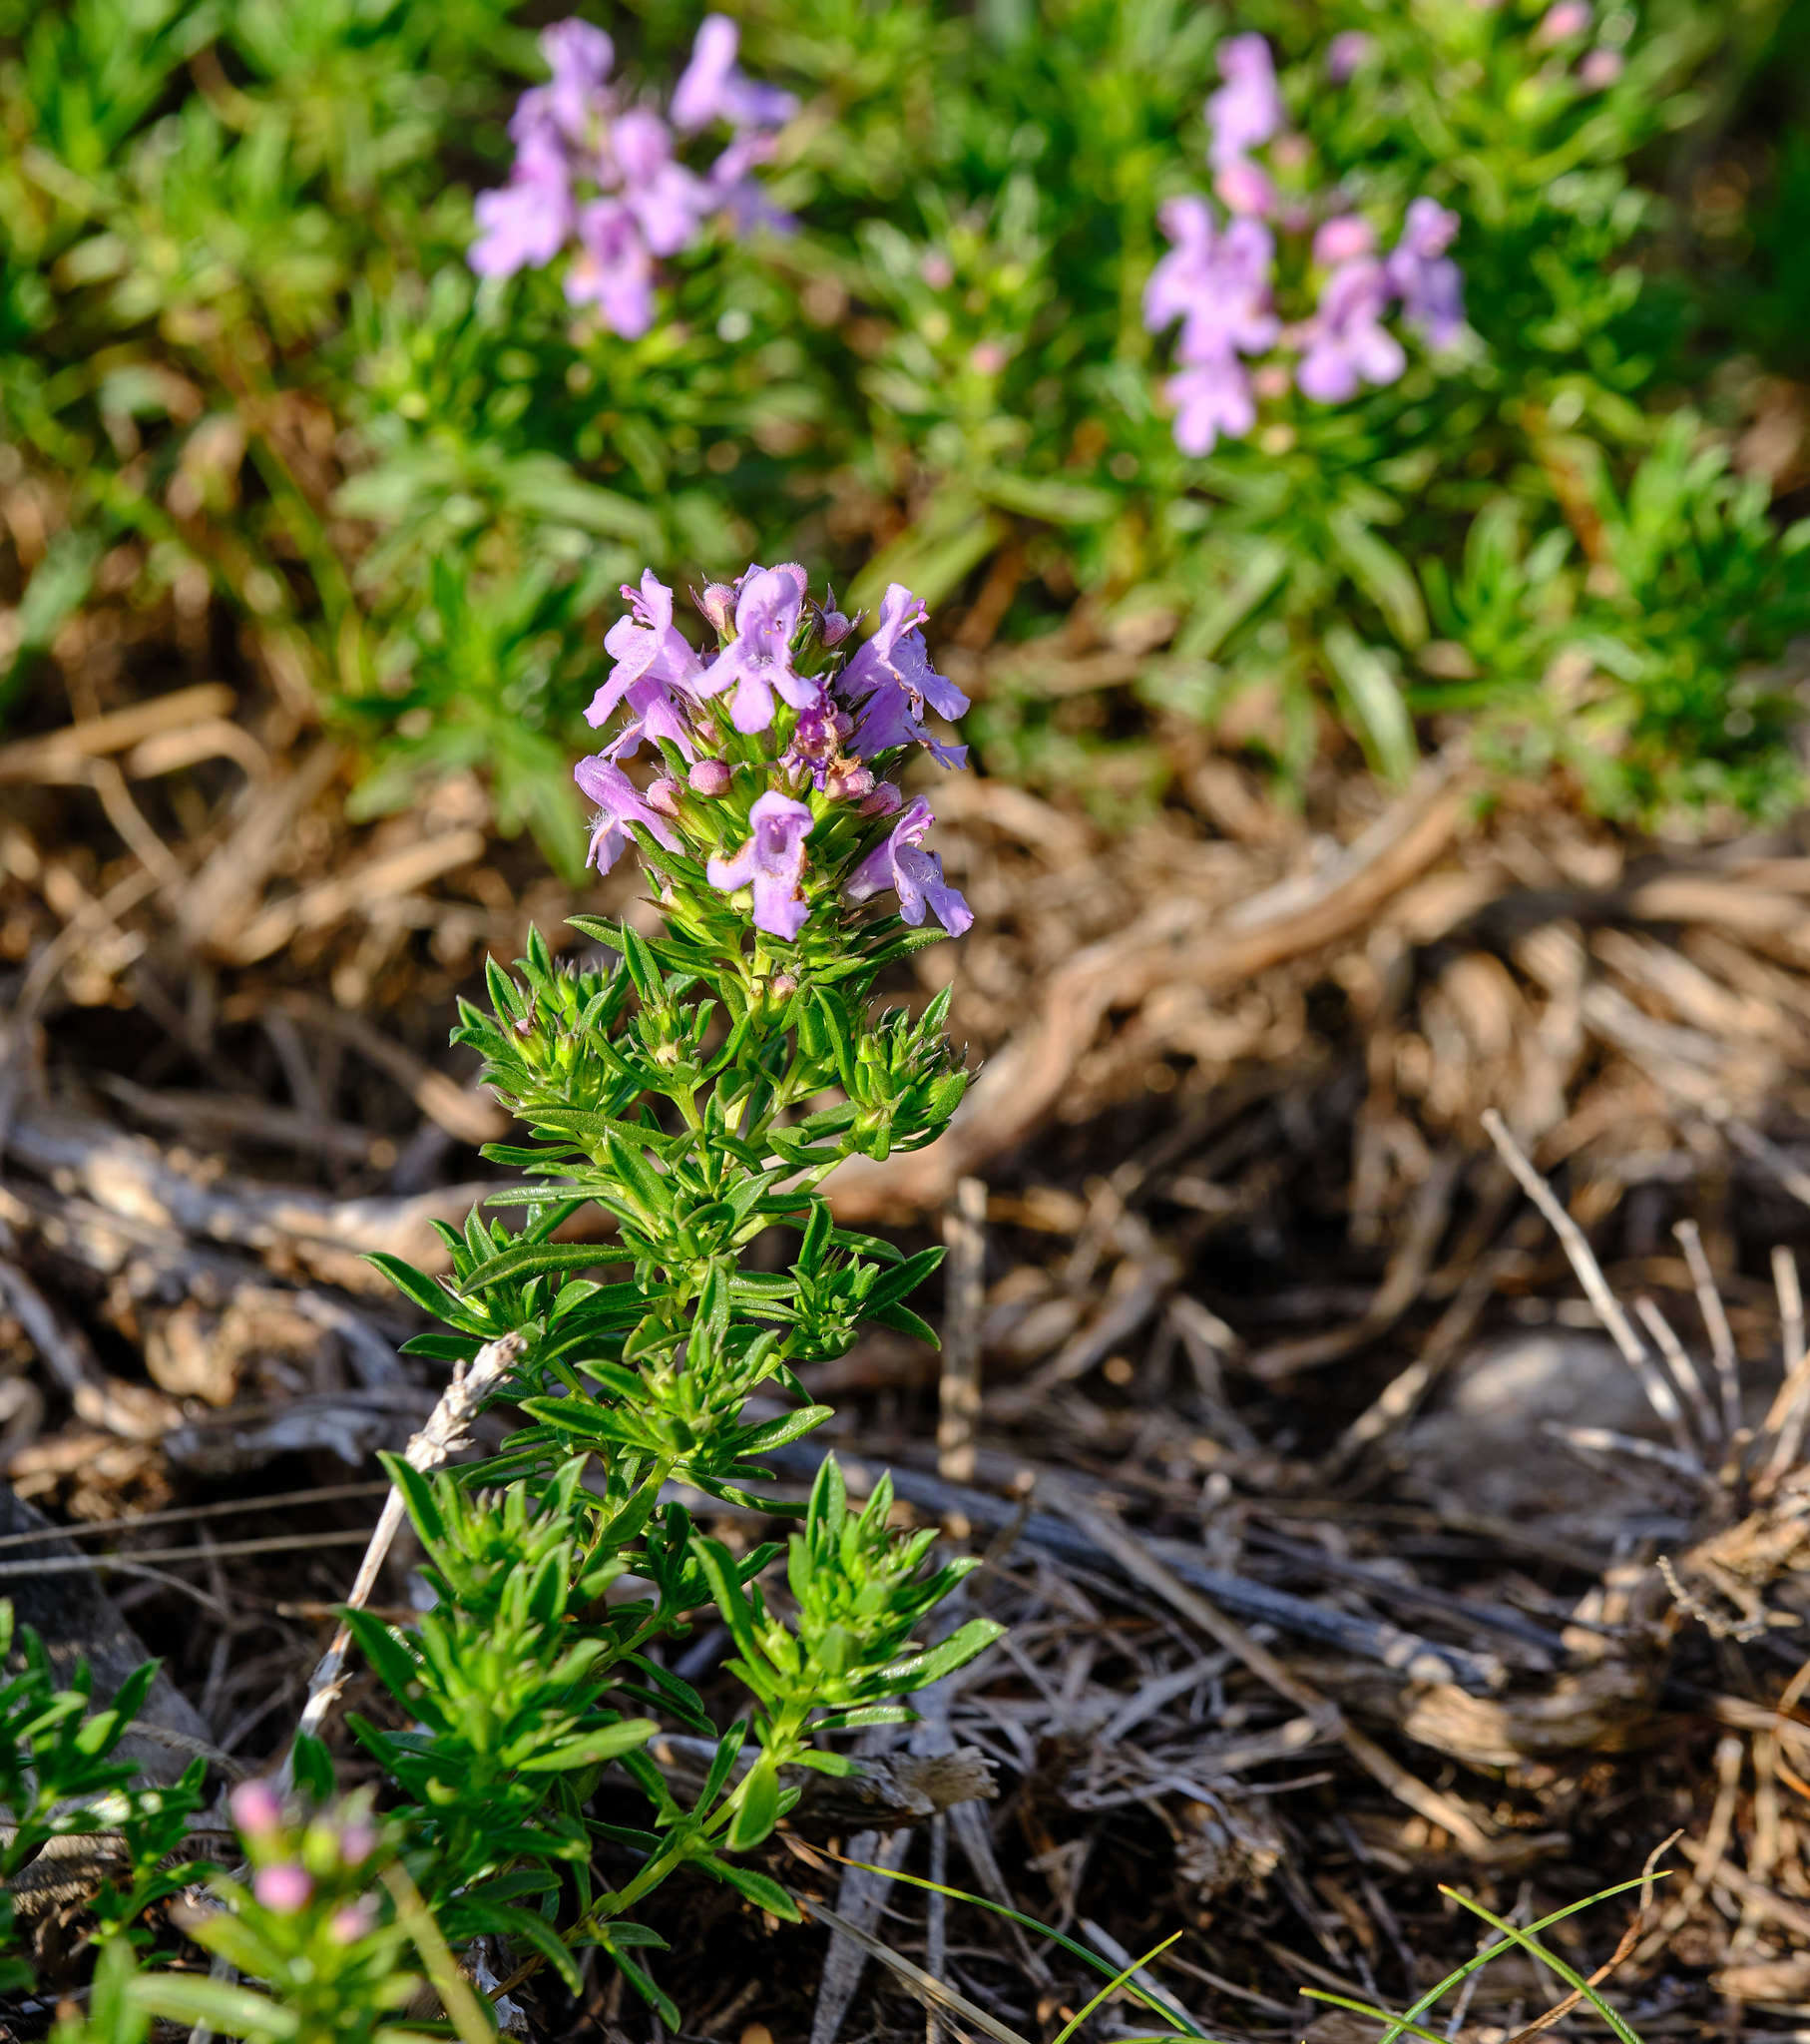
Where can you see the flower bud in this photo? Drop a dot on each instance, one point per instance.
(1343, 238)
(882, 802)
(256, 1810)
(1244, 187)
(353, 1922)
(283, 1888)
(356, 1843)
(710, 778)
(781, 986)
(718, 605)
(1569, 18)
(1600, 69)
(851, 783)
(662, 795)
(837, 627)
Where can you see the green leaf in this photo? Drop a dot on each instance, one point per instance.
(591, 1748)
(427, 1292)
(538, 1259)
(920, 1669)
(1381, 573)
(1375, 702)
(760, 1888)
(417, 1496)
(758, 1811)
(191, 2000)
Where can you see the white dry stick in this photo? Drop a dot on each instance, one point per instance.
(1683, 1374)
(1790, 1409)
(443, 1436)
(1721, 1335)
(1659, 1393)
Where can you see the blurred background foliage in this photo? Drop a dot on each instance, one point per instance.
(250, 386)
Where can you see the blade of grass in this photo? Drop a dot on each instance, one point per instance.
(1567, 1973)
(1113, 1986)
(1396, 2025)
(1079, 1951)
(1402, 2024)
(456, 1997)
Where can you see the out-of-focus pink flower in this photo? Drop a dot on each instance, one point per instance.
(285, 1888)
(1342, 239)
(1246, 187)
(1563, 23)
(1346, 53)
(1601, 69)
(256, 1810)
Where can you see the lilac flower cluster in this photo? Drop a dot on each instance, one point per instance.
(592, 170)
(1218, 280)
(774, 749)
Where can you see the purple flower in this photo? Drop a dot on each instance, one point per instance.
(620, 802)
(1347, 343)
(612, 269)
(711, 88)
(1210, 398)
(1346, 53)
(892, 679)
(283, 1888)
(900, 863)
(666, 200)
(758, 658)
(773, 862)
(731, 187)
(1247, 109)
(653, 659)
(579, 56)
(256, 1810)
(524, 223)
(1430, 284)
(1216, 284)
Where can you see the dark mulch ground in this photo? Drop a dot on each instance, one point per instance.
(1343, 1553)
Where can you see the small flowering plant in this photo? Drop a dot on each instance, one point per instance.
(694, 1088)
(600, 174)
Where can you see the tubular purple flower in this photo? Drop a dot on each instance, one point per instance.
(283, 1888)
(621, 804)
(1210, 398)
(1430, 284)
(524, 223)
(1247, 109)
(612, 269)
(899, 862)
(646, 642)
(256, 1810)
(733, 189)
(758, 658)
(1346, 53)
(668, 202)
(713, 88)
(771, 862)
(1347, 344)
(891, 678)
(1216, 284)
(580, 56)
